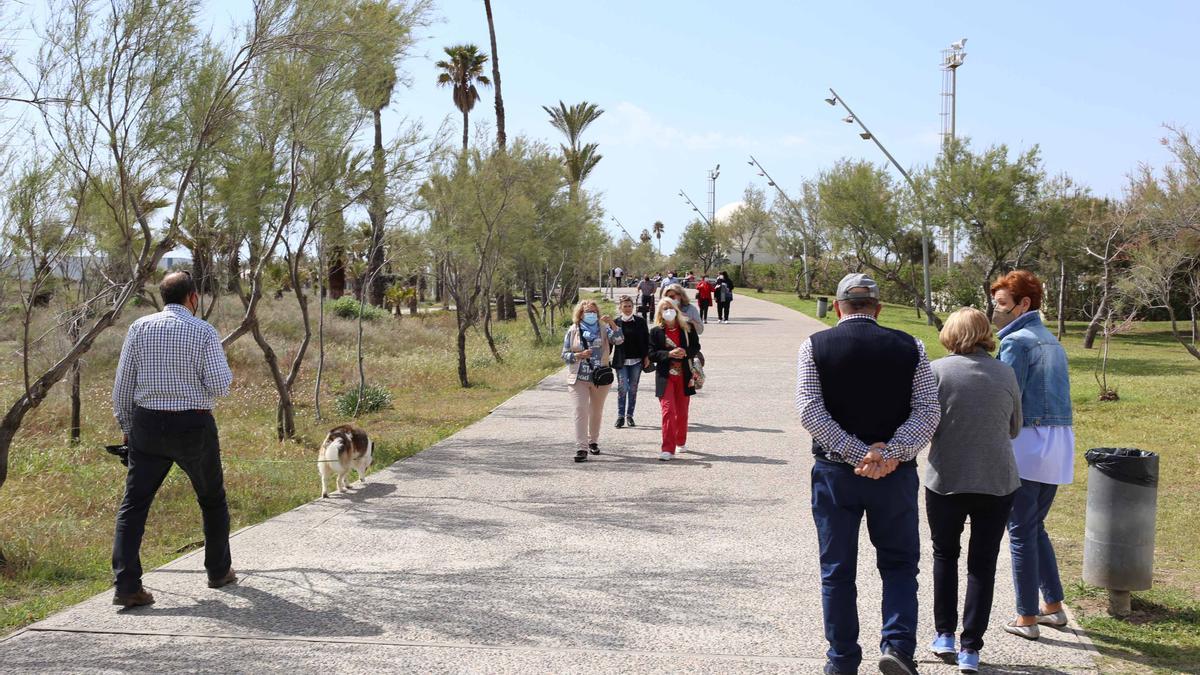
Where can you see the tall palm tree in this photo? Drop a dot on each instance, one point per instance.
(659, 228)
(461, 73)
(374, 82)
(501, 138)
(645, 236)
(572, 121)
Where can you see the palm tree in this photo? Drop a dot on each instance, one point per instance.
(374, 82)
(501, 138)
(462, 72)
(645, 236)
(572, 121)
(659, 228)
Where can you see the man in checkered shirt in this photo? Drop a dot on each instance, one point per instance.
(867, 396)
(171, 371)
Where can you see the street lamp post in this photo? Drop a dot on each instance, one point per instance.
(868, 136)
(707, 221)
(799, 215)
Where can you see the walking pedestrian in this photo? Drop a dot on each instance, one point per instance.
(630, 357)
(673, 344)
(586, 351)
(867, 396)
(724, 295)
(171, 371)
(971, 474)
(646, 288)
(1044, 449)
(704, 296)
(669, 280)
(683, 302)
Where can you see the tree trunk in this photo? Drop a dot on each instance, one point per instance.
(533, 320)
(286, 418)
(320, 341)
(501, 138)
(466, 131)
(1191, 349)
(233, 267)
(76, 398)
(462, 355)
(376, 211)
(487, 329)
(1089, 338)
(337, 273)
(1062, 298)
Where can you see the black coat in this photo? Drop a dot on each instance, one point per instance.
(637, 341)
(659, 355)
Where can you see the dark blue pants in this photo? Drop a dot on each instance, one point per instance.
(158, 440)
(1033, 562)
(839, 500)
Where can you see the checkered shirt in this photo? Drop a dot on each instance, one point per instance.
(908, 440)
(170, 361)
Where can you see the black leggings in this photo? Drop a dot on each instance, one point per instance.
(704, 309)
(723, 310)
(947, 515)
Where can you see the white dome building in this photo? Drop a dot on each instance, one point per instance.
(759, 252)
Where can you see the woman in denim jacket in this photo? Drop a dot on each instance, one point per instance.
(1044, 449)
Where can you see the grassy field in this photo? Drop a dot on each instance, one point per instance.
(1159, 387)
(66, 496)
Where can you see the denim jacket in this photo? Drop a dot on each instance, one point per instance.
(1040, 363)
(572, 342)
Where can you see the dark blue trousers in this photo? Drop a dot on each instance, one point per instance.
(839, 501)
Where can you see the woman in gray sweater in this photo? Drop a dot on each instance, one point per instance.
(972, 474)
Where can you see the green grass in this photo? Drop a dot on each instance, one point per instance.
(66, 496)
(1159, 387)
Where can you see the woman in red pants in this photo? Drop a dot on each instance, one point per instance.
(673, 344)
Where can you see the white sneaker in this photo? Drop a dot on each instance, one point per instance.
(665, 456)
(682, 448)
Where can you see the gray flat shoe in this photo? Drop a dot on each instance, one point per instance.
(1056, 619)
(1027, 632)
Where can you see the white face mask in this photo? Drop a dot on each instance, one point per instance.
(627, 312)
(669, 315)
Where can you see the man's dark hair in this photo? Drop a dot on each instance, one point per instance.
(176, 287)
(859, 305)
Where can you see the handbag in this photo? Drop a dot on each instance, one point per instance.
(602, 376)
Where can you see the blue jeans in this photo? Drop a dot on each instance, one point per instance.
(628, 378)
(839, 500)
(1034, 565)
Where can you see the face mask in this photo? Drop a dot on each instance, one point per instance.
(669, 314)
(627, 312)
(673, 301)
(590, 318)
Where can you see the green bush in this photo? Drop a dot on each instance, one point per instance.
(374, 398)
(347, 307)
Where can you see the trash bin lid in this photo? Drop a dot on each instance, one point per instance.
(1128, 465)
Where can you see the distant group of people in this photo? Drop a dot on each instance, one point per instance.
(1001, 442)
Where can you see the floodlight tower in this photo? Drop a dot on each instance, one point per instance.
(712, 193)
(952, 58)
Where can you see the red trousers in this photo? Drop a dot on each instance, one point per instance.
(674, 414)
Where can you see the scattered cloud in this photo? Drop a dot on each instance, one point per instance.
(631, 125)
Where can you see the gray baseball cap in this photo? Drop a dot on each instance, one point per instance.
(857, 286)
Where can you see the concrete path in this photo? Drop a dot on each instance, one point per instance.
(493, 552)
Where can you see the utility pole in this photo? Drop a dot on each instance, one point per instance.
(712, 193)
(952, 58)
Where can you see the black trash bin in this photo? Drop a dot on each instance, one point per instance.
(1118, 543)
(822, 307)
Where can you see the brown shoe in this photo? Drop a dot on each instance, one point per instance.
(138, 598)
(229, 578)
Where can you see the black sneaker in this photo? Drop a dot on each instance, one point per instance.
(593, 448)
(629, 422)
(892, 662)
(581, 455)
(620, 422)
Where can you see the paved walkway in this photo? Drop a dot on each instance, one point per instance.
(494, 552)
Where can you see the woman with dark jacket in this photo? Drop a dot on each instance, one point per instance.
(724, 296)
(628, 359)
(673, 344)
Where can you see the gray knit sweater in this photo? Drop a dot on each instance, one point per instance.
(971, 451)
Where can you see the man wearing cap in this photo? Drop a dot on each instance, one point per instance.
(867, 396)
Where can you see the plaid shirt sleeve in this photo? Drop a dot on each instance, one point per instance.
(917, 431)
(214, 367)
(124, 384)
(815, 418)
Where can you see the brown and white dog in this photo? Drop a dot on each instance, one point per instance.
(346, 447)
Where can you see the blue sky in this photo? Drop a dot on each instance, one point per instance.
(688, 85)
